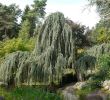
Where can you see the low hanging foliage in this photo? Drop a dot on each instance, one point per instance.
(11, 64)
(86, 62)
(98, 50)
(91, 58)
(92, 55)
(83, 64)
(54, 52)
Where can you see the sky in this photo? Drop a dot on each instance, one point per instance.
(75, 10)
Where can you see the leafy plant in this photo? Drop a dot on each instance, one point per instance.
(102, 73)
(16, 44)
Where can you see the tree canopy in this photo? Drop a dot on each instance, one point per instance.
(8, 20)
(34, 14)
(54, 51)
(103, 8)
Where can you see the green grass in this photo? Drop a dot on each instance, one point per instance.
(28, 93)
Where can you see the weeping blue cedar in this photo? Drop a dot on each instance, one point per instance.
(10, 65)
(91, 58)
(83, 64)
(54, 52)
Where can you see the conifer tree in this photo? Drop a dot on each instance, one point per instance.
(54, 52)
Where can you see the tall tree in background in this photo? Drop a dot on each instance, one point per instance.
(35, 14)
(8, 20)
(39, 8)
(25, 13)
(101, 32)
(80, 34)
(103, 8)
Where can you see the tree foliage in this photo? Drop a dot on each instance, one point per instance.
(83, 64)
(60, 44)
(104, 67)
(103, 71)
(101, 32)
(25, 29)
(34, 14)
(8, 20)
(13, 45)
(103, 8)
(14, 60)
(98, 50)
(93, 59)
(54, 52)
(80, 31)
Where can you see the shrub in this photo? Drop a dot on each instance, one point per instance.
(104, 66)
(16, 44)
(103, 71)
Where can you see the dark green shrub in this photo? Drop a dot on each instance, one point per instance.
(102, 73)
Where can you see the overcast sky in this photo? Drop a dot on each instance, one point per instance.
(73, 9)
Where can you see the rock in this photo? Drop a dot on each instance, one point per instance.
(106, 82)
(106, 85)
(68, 93)
(94, 97)
(2, 98)
(97, 95)
(79, 85)
(69, 96)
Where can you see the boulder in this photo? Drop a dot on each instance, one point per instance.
(2, 98)
(69, 96)
(79, 85)
(106, 85)
(97, 95)
(69, 93)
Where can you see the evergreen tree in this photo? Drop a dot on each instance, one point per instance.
(34, 15)
(8, 20)
(25, 13)
(25, 29)
(54, 52)
(39, 8)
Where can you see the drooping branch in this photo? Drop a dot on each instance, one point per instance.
(53, 53)
(10, 66)
(84, 64)
(98, 50)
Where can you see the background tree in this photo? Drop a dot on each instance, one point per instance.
(103, 8)
(101, 32)
(39, 8)
(25, 29)
(25, 13)
(34, 15)
(8, 20)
